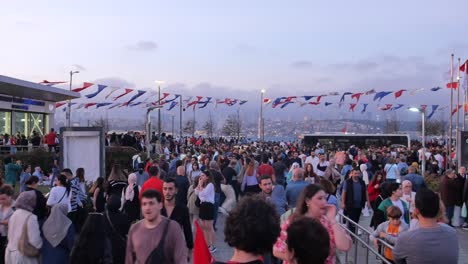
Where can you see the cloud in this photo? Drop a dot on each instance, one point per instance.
(143, 46)
(302, 64)
(79, 67)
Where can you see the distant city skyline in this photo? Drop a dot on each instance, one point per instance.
(236, 49)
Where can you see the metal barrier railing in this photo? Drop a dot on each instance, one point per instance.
(362, 241)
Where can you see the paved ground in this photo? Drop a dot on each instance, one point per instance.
(225, 252)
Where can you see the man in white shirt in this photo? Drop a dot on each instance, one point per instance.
(322, 165)
(440, 159)
(313, 159)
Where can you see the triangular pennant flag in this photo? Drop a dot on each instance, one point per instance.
(315, 103)
(46, 82)
(204, 103)
(289, 99)
(134, 104)
(127, 91)
(343, 96)
(266, 100)
(351, 107)
(356, 96)
(139, 93)
(112, 90)
(456, 109)
(397, 107)
(165, 95)
(416, 91)
(114, 106)
(308, 97)
(464, 67)
(286, 104)
(386, 107)
(230, 102)
(88, 105)
(435, 89)
(277, 101)
(80, 106)
(399, 93)
(452, 85)
(242, 102)
(102, 105)
(364, 108)
(328, 103)
(100, 89)
(172, 105)
(195, 102)
(59, 104)
(173, 99)
(381, 95)
(86, 85)
(372, 91)
(434, 108)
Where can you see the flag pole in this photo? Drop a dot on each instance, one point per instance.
(449, 147)
(457, 150)
(465, 94)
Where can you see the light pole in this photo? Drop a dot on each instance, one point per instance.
(261, 133)
(69, 101)
(159, 109)
(148, 129)
(423, 135)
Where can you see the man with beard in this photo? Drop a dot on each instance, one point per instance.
(273, 192)
(176, 211)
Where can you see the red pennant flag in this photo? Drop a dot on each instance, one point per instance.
(386, 107)
(356, 96)
(46, 82)
(85, 86)
(288, 99)
(266, 100)
(59, 104)
(464, 67)
(399, 93)
(453, 85)
(201, 253)
(351, 107)
(319, 98)
(89, 105)
(456, 109)
(127, 91)
(164, 97)
(314, 103)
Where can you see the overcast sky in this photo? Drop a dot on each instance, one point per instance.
(237, 48)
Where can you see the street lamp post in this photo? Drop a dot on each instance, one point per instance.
(159, 109)
(69, 101)
(261, 133)
(423, 137)
(148, 129)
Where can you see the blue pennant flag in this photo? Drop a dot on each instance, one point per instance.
(328, 103)
(173, 104)
(102, 104)
(397, 107)
(364, 108)
(308, 97)
(205, 103)
(435, 89)
(100, 89)
(381, 95)
(434, 108)
(139, 93)
(343, 96)
(285, 104)
(242, 102)
(173, 99)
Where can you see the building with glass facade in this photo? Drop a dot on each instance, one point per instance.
(26, 107)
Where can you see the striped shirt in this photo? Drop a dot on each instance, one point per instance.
(77, 194)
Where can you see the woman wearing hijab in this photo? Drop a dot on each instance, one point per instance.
(117, 228)
(21, 217)
(130, 196)
(59, 235)
(116, 182)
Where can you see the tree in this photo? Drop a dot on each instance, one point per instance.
(209, 126)
(232, 126)
(189, 127)
(101, 123)
(433, 127)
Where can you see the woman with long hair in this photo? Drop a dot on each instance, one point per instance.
(99, 201)
(313, 204)
(309, 174)
(131, 204)
(206, 193)
(116, 182)
(60, 193)
(195, 172)
(59, 236)
(93, 244)
(80, 174)
(250, 182)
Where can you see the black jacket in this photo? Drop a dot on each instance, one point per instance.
(350, 193)
(180, 214)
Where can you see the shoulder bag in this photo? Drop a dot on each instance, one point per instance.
(23, 243)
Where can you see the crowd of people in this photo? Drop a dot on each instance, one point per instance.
(280, 201)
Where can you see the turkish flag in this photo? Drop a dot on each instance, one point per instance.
(453, 85)
(399, 93)
(464, 67)
(201, 253)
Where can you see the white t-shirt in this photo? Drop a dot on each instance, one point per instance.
(58, 194)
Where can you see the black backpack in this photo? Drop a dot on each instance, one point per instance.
(157, 255)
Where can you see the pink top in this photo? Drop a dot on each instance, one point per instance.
(281, 245)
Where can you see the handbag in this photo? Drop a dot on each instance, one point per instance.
(23, 243)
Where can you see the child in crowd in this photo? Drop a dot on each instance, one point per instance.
(389, 230)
